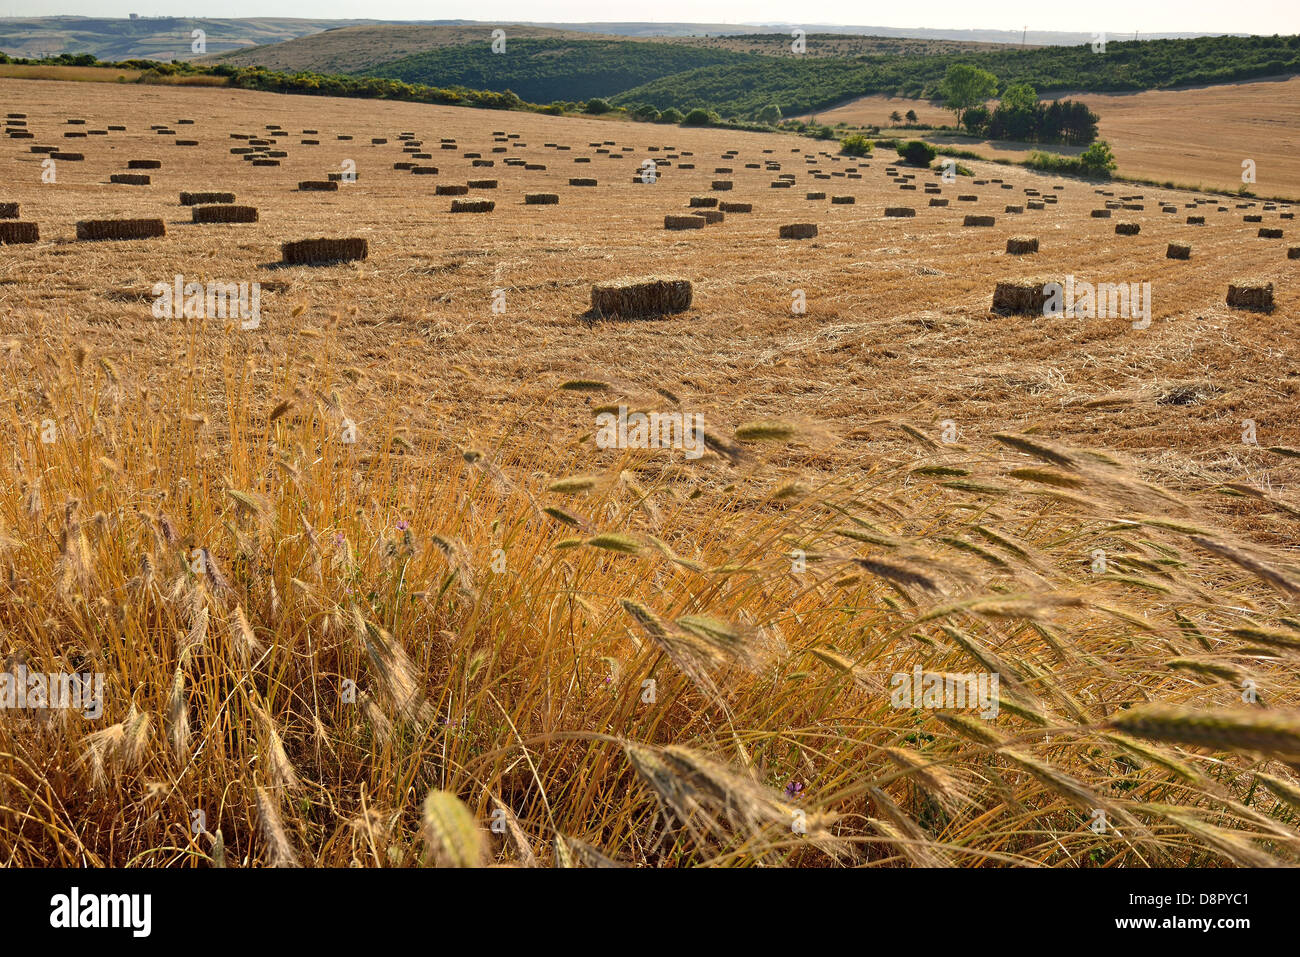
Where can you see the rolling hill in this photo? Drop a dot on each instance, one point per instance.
(737, 76)
(542, 70)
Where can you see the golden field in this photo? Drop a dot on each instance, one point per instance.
(569, 654)
(1194, 136)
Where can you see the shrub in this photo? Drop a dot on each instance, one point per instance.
(855, 145)
(770, 114)
(671, 115)
(917, 153)
(597, 106)
(700, 117)
(1098, 159)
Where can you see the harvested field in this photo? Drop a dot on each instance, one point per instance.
(1162, 135)
(413, 526)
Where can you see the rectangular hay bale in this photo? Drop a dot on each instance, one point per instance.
(684, 222)
(651, 296)
(1021, 296)
(1250, 294)
(223, 213)
(206, 199)
(98, 229)
(798, 231)
(13, 232)
(306, 252)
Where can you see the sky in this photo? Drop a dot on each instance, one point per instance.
(1112, 16)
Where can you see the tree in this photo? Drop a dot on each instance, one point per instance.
(965, 86)
(1020, 96)
(895, 117)
(671, 115)
(911, 116)
(976, 120)
(770, 114)
(597, 106)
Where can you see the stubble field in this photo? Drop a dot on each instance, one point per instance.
(471, 634)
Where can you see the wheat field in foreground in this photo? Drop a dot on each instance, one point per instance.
(366, 590)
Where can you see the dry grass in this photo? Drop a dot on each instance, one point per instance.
(355, 652)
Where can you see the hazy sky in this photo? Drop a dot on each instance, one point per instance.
(1113, 16)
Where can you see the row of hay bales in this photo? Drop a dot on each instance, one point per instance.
(206, 207)
(1029, 296)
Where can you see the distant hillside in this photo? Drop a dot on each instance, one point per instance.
(355, 49)
(543, 70)
(149, 38)
(168, 38)
(801, 84)
(998, 37)
(364, 48)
